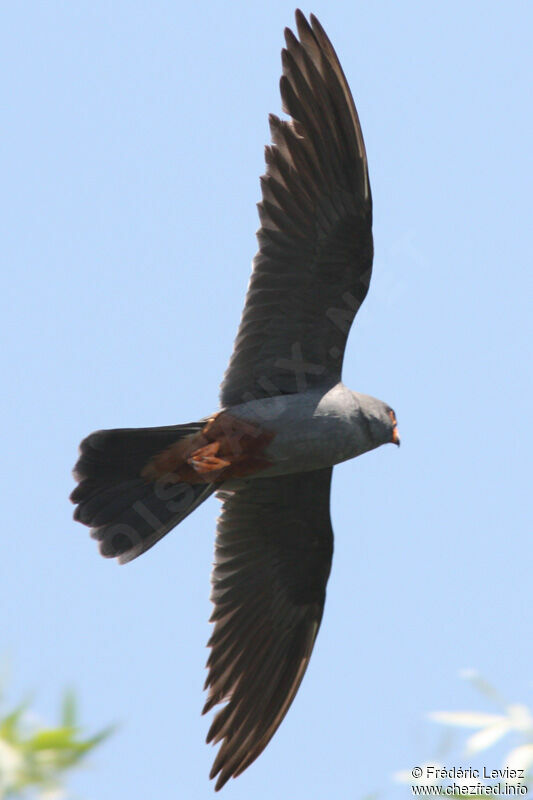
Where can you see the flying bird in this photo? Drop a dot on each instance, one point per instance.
(285, 417)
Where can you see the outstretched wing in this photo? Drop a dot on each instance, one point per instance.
(272, 561)
(314, 263)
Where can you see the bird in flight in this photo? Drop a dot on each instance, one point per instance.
(285, 416)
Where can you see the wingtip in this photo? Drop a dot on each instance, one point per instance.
(224, 774)
(222, 780)
(302, 23)
(290, 38)
(316, 26)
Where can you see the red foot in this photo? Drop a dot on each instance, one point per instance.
(226, 447)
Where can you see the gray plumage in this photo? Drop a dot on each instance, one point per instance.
(286, 417)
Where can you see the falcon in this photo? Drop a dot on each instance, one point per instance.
(285, 417)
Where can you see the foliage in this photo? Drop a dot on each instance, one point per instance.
(511, 720)
(34, 758)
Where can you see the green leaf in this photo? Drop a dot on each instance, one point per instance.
(69, 709)
(10, 723)
(53, 739)
(95, 740)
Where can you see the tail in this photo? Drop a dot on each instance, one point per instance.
(130, 491)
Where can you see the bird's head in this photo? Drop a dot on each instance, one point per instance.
(375, 422)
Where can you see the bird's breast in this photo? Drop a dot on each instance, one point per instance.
(308, 431)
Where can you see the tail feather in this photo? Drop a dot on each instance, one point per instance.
(125, 451)
(104, 503)
(127, 512)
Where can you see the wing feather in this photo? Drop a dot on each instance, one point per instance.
(314, 261)
(272, 561)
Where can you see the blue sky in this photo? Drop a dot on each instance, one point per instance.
(133, 141)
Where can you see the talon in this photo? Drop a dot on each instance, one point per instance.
(205, 459)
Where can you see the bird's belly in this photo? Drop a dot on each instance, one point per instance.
(307, 446)
(307, 433)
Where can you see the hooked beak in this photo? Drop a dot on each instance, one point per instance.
(395, 435)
